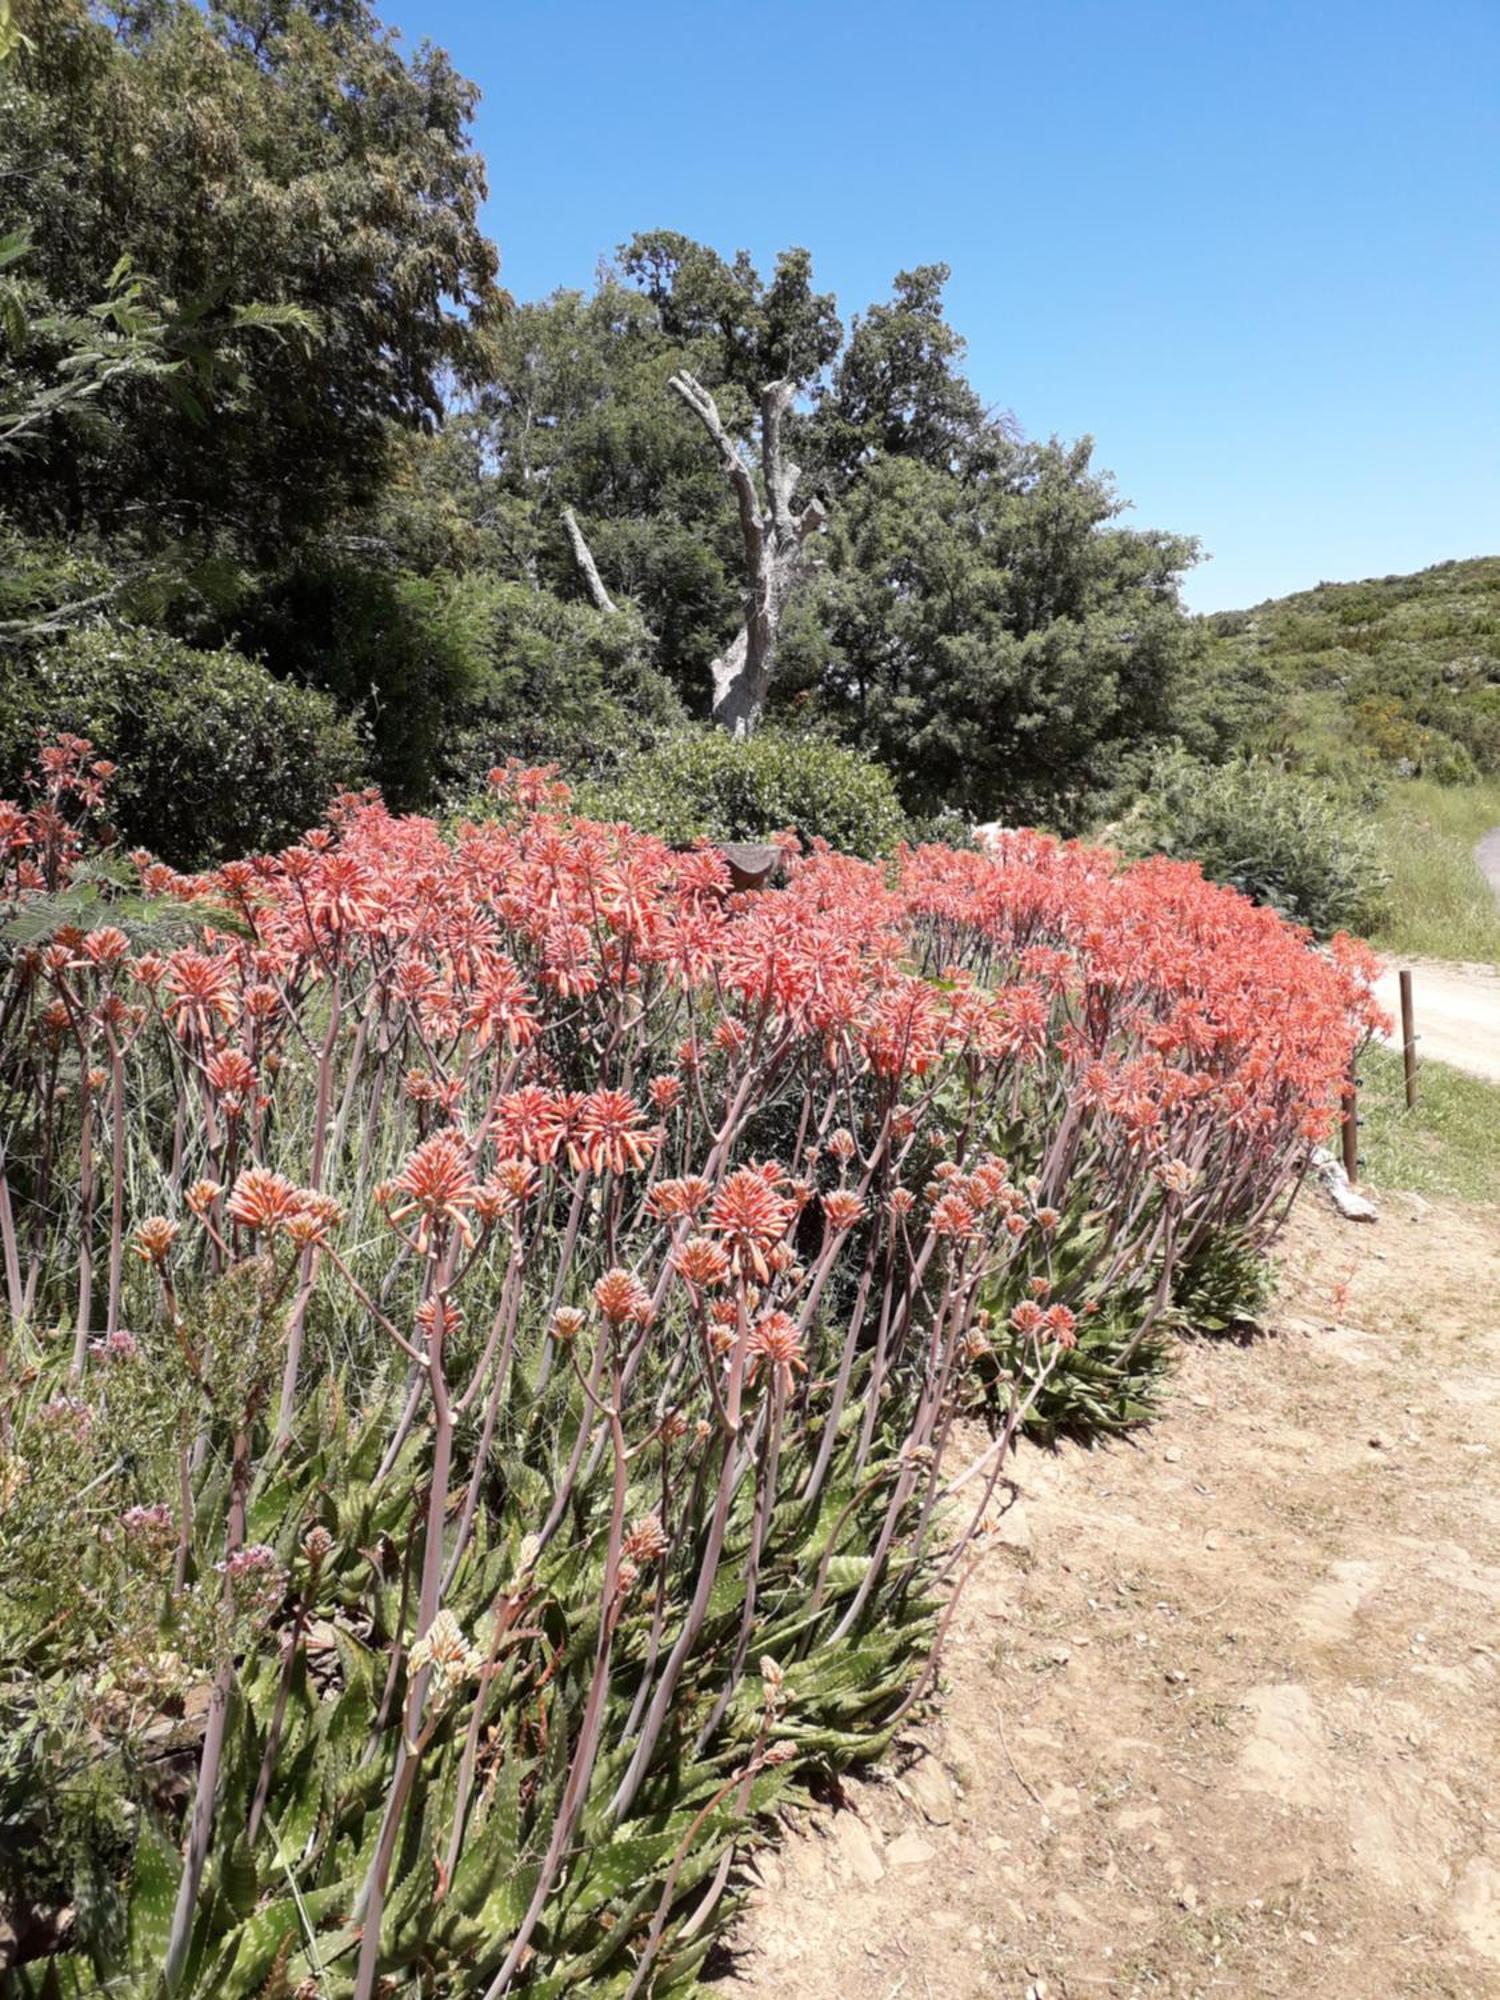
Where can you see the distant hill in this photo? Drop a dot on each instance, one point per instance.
(1402, 672)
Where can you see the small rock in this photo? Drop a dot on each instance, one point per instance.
(1172, 1455)
(930, 1790)
(1187, 1897)
(910, 1850)
(858, 1850)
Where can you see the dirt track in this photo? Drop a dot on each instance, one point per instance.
(1457, 1009)
(1224, 1717)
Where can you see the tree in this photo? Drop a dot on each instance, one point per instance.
(898, 390)
(603, 487)
(995, 639)
(773, 532)
(74, 369)
(250, 151)
(976, 616)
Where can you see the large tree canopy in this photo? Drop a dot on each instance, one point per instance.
(262, 392)
(975, 614)
(246, 152)
(995, 639)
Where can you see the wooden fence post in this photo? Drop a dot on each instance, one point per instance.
(1351, 1126)
(1408, 1042)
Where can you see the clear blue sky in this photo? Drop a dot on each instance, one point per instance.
(1252, 249)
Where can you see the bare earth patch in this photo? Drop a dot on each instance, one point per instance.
(1224, 1715)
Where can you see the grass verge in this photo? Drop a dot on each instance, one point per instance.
(1446, 1146)
(1439, 905)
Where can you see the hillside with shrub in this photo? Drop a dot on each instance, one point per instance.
(1348, 746)
(1397, 673)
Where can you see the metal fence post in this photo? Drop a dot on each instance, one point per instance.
(1351, 1126)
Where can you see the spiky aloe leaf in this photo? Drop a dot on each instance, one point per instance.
(239, 1878)
(154, 1875)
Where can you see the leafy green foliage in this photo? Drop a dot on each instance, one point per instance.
(217, 757)
(703, 784)
(125, 337)
(1282, 840)
(898, 390)
(990, 636)
(452, 673)
(252, 160)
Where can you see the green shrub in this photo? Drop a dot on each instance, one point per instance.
(558, 682)
(450, 675)
(1281, 839)
(216, 756)
(705, 784)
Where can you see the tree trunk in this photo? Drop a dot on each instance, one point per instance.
(774, 538)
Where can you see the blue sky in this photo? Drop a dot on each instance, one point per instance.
(1252, 249)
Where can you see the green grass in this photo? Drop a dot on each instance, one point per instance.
(1449, 1145)
(1439, 904)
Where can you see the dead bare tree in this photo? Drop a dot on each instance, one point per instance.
(583, 555)
(774, 538)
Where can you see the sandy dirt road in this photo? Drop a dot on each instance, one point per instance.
(1457, 1009)
(1223, 1718)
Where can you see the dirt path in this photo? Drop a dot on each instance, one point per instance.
(1224, 1718)
(1457, 1009)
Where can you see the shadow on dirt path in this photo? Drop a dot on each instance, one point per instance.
(1221, 1718)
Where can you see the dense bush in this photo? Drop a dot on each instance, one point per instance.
(705, 784)
(1283, 839)
(486, 1324)
(560, 683)
(451, 674)
(216, 757)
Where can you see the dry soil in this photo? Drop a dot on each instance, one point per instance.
(1222, 1715)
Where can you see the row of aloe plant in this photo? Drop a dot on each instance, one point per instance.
(488, 1321)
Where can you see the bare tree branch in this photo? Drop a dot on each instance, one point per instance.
(706, 410)
(780, 477)
(584, 556)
